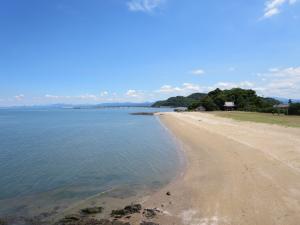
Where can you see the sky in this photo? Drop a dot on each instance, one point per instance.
(87, 52)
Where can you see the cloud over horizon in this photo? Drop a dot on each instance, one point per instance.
(275, 82)
(19, 97)
(283, 82)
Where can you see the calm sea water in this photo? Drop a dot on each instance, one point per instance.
(78, 153)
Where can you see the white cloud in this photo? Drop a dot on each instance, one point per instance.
(273, 70)
(104, 93)
(52, 96)
(198, 72)
(271, 12)
(185, 89)
(191, 87)
(88, 97)
(134, 93)
(229, 85)
(272, 7)
(131, 93)
(144, 5)
(83, 97)
(281, 82)
(167, 89)
(19, 97)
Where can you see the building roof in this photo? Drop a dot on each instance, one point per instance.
(229, 104)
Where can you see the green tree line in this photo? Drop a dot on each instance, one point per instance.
(244, 100)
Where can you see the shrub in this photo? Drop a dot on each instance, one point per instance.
(294, 109)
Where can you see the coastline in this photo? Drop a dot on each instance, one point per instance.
(236, 173)
(142, 162)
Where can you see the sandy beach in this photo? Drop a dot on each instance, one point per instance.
(237, 173)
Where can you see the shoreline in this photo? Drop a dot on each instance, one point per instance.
(54, 203)
(233, 173)
(141, 196)
(237, 173)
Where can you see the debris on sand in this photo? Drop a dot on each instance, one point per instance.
(70, 218)
(92, 210)
(151, 213)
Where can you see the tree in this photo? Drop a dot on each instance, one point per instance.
(195, 105)
(208, 103)
(294, 109)
(245, 100)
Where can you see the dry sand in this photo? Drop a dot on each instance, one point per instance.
(237, 173)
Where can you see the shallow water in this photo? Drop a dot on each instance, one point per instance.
(68, 155)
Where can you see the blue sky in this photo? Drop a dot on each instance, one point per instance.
(75, 51)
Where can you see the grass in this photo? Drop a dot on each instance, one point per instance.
(288, 121)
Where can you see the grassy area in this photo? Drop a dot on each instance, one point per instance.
(290, 121)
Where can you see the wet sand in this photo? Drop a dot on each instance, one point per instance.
(237, 173)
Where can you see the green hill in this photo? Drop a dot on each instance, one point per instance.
(244, 100)
(180, 101)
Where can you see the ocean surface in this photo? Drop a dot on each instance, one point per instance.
(73, 154)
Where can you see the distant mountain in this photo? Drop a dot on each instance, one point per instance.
(197, 96)
(82, 106)
(286, 100)
(180, 101)
(125, 104)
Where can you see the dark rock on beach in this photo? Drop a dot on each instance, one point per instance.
(70, 219)
(134, 208)
(92, 210)
(149, 213)
(130, 209)
(168, 193)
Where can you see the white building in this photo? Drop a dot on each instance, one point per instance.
(229, 106)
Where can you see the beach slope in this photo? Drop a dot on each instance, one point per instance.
(237, 173)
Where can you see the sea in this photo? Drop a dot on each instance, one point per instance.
(60, 156)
